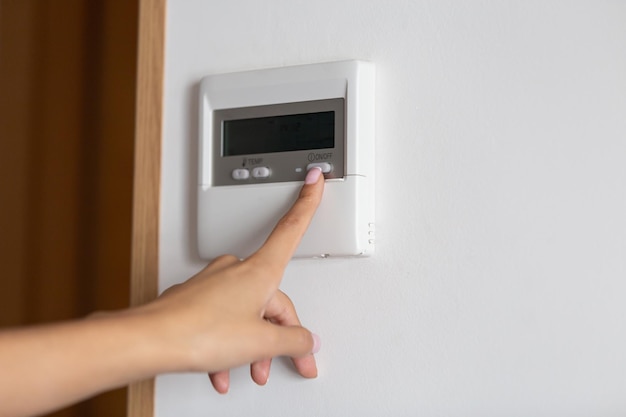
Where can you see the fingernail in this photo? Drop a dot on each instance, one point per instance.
(313, 175)
(317, 343)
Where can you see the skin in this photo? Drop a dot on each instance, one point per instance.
(229, 314)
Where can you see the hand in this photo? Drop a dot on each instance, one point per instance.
(232, 312)
(229, 314)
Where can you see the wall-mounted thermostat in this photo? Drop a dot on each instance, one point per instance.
(261, 131)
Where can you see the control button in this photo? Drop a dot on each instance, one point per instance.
(261, 172)
(324, 166)
(240, 174)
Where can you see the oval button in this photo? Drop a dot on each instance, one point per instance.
(261, 172)
(324, 166)
(240, 174)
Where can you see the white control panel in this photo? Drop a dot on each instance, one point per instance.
(261, 131)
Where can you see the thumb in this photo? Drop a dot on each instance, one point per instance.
(293, 341)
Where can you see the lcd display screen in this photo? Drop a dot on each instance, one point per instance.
(294, 132)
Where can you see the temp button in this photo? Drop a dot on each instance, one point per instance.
(240, 174)
(261, 172)
(324, 166)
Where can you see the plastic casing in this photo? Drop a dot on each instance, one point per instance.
(237, 219)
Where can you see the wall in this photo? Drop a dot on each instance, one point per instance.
(498, 283)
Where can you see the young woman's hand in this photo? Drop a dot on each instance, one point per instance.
(232, 312)
(229, 314)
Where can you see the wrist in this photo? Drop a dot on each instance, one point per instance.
(139, 340)
(160, 344)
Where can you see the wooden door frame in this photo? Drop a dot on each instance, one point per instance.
(146, 185)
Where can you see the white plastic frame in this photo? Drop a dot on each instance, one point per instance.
(237, 219)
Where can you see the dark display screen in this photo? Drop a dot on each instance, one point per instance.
(295, 132)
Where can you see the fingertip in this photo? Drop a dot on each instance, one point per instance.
(313, 175)
(220, 381)
(306, 366)
(260, 371)
(313, 187)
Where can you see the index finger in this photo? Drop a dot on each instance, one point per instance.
(284, 239)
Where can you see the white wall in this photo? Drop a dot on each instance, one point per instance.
(499, 282)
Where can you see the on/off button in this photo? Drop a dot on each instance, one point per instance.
(324, 166)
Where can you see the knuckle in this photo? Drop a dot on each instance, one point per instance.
(308, 199)
(287, 302)
(302, 339)
(222, 261)
(258, 264)
(290, 220)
